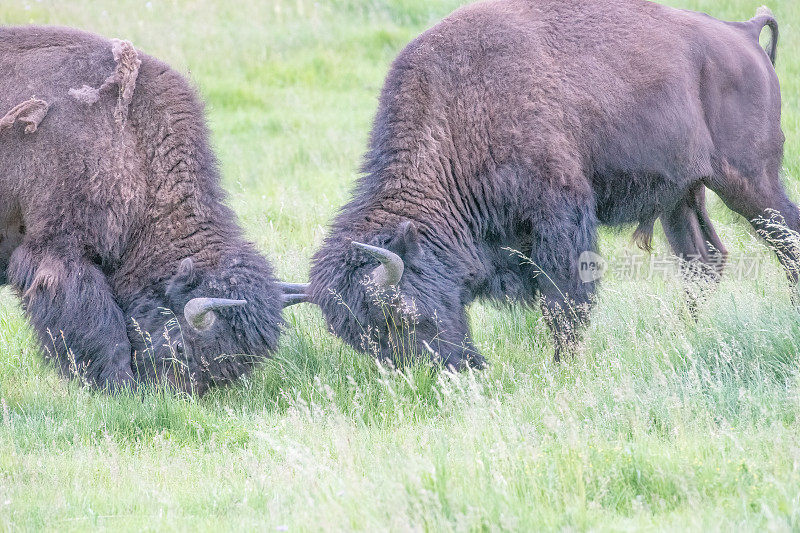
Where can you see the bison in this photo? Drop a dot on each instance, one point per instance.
(113, 226)
(507, 133)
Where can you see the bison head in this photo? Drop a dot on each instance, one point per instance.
(393, 298)
(207, 326)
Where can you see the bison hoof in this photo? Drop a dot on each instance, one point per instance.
(478, 362)
(459, 363)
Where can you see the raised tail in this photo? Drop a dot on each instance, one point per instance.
(764, 17)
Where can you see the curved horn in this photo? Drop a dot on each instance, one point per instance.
(199, 312)
(391, 268)
(293, 293)
(291, 299)
(293, 288)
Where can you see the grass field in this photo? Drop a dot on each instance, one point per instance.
(660, 423)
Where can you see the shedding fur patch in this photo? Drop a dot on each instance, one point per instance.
(30, 113)
(124, 77)
(85, 94)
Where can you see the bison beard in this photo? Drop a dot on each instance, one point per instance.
(113, 227)
(508, 132)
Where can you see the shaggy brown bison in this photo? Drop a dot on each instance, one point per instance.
(523, 125)
(113, 228)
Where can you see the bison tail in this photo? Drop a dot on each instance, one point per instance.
(764, 17)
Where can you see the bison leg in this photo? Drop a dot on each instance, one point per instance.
(71, 307)
(566, 317)
(762, 200)
(693, 239)
(566, 299)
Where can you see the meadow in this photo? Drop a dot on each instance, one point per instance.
(660, 423)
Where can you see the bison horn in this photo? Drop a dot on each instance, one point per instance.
(293, 293)
(199, 312)
(391, 268)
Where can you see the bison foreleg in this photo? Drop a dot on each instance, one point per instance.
(72, 309)
(566, 298)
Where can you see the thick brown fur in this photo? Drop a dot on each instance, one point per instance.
(523, 125)
(101, 204)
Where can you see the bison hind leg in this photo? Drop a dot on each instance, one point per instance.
(693, 239)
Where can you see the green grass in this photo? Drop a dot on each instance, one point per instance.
(660, 423)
